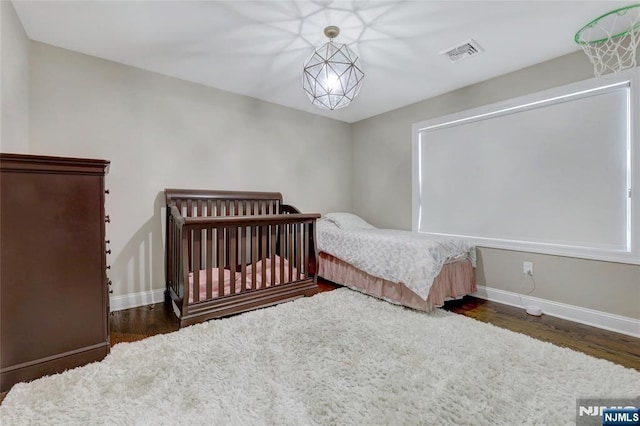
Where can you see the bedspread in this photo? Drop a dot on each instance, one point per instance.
(399, 256)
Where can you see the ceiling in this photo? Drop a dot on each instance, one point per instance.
(257, 48)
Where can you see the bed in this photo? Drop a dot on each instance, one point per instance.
(229, 252)
(401, 267)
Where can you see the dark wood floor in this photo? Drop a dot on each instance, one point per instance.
(615, 347)
(137, 323)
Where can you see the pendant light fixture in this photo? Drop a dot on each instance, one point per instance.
(332, 75)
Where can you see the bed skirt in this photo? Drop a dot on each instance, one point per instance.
(455, 280)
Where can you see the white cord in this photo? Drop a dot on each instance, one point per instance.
(533, 281)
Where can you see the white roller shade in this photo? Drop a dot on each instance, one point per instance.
(546, 171)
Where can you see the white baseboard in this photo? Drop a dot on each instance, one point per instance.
(133, 300)
(604, 320)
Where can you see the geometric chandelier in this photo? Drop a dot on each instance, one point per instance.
(332, 76)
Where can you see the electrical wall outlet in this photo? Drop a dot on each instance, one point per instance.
(527, 268)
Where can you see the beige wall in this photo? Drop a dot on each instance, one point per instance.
(382, 192)
(163, 132)
(14, 82)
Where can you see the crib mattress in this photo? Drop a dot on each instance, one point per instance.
(252, 281)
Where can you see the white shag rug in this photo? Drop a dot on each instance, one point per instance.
(338, 358)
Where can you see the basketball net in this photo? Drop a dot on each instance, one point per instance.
(611, 41)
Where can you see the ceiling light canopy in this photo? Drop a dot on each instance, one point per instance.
(332, 75)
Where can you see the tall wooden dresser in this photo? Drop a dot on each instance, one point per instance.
(54, 302)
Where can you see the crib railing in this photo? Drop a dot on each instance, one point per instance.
(202, 203)
(210, 258)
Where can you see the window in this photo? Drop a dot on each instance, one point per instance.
(550, 172)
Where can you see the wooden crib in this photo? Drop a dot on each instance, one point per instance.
(230, 252)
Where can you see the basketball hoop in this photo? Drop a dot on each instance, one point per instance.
(611, 40)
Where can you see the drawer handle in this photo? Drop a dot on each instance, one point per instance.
(109, 251)
(106, 191)
(107, 219)
(109, 282)
(110, 291)
(107, 242)
(108, 266)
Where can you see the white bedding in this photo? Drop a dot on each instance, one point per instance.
(399, 256)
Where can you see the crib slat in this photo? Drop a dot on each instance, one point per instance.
(179, 261)
(174, 260)
(244, 234)
(172, 264)
(290, 252)
(294, 249)
(209, 243)
(220, 265)
(177, 239)
(196, 265)
(297, 251)
(272, 254)
(233, 242)
(185, 263)
(305, 263)
(203, 250)
(227, 212)
(299, 243)
(263, 248)
(282, 248)
(254, 256)
(170, 226)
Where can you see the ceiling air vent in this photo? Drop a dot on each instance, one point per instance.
(466, 50)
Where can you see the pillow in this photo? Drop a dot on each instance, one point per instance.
(348, 221)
